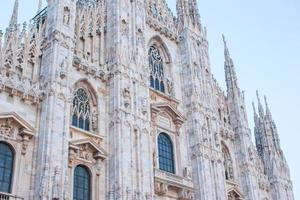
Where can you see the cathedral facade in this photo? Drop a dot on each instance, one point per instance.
(115, 100)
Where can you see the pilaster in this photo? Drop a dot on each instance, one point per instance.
(130, 174)
(52, 156)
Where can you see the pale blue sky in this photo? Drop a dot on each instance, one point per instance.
(264, 41)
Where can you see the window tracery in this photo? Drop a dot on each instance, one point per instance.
(81, 111)
(157, 76)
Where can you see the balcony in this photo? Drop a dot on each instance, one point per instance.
(178, 187)
(6, 196)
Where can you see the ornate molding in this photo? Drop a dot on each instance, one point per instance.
(85, 150)
(15, 128)
(88, 68)
(23, 88)
(186, 194)
(177, 118)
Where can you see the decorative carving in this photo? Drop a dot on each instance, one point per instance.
(86, 151)
(187, 172)
(154, 157)
(127, 97)
(15, 128)
(85, 154)
(63, 69)
(185, 194)
(94, 118)
(144, 105)
(160, 18)
(89, 69)
(170, 87)
(161, 188)
(66, 18)
(6, 128)
(56, 183)
(23, 88)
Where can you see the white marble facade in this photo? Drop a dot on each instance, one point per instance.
(114, 99)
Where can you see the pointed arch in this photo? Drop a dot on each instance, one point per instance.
(227, 162)
(161, 45)
(159, 58)
(85, 83)
(84, 106)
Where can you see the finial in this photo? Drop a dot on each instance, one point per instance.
(224, 40)
(255, 113)
(266, 101)
(254, 109)
(226, 51)
(260, 107)
(40, 4)
(14, 16)
(24, 25)
(268, 112)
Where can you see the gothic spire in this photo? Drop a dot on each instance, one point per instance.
(260, 106)
(268, 111)
(272, 123)
(255, 114)
(194, 12)
(14, 17)
(182, 12)
(230, 74)
(228, 60)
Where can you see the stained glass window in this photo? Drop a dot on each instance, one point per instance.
(6, 167)
(166, 154)
(157, 77)
(81, 110)
(82, 183)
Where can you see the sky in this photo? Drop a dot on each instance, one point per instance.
(264, 42)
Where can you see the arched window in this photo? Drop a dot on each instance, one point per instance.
(81, 111)
(165, 153)
(227, 163)
(82, 183)
(157, 77)
(6, 167)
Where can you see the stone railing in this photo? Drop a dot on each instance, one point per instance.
(6, 196)
(173, 179)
